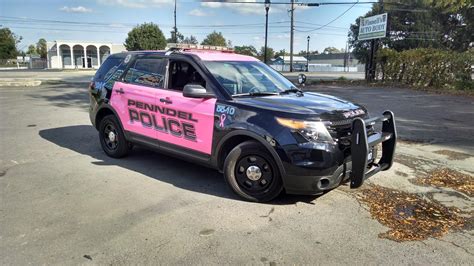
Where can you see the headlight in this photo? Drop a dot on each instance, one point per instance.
(311, 130)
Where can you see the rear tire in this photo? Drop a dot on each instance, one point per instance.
(112, 138)
(252, 173)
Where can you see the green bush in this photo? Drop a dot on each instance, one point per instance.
(427, 67)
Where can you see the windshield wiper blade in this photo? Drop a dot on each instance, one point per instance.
(295, 90)
(255, 94)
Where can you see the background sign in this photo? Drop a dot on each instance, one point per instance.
(373, 27)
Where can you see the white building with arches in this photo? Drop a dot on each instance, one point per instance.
(80, 54)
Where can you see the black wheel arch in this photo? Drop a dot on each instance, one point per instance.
(102, 112)
(234, 138)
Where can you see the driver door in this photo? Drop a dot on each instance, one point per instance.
(190, 120)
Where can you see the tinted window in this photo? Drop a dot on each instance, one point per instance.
(108, 68)
(147, 71)
(182, 73)
(242, 77)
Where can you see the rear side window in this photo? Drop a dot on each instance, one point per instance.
(108, 68)
(148, 71)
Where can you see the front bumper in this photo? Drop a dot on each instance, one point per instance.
(360, 165)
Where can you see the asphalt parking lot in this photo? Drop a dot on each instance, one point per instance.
(63, 201)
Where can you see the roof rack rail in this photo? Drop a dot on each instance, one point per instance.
(186, 46)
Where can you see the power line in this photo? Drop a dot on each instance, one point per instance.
(121, 25)
(289, 3)
(342, 14)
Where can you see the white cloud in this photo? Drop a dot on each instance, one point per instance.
(137, 3)
(243, 8)
(198, 13)
(77, 9)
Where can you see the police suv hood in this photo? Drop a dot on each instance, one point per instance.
(310, 104)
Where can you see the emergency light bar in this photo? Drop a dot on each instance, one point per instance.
(186, 46)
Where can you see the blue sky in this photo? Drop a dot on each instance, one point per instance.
(243, 24)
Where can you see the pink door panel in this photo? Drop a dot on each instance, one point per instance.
(189, 121)
(132, 103)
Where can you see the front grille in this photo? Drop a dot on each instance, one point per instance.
(341, 130)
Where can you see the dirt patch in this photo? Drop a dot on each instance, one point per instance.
(414, 163)
(454, 155)
(408, 216)
(401, 173)
(445, 177)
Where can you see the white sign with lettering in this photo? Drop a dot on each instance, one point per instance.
(373, 27)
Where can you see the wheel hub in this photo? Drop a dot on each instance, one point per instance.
(112, 136)
(254, 173)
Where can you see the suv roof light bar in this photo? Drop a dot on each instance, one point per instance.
(186, 46)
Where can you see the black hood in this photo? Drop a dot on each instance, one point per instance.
(309, 104)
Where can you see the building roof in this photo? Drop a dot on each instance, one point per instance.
(329, 56)
(296, 58)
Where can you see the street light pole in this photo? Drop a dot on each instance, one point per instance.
(307, 55)
(267, 7)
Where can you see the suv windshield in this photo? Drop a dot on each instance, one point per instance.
(248, 77)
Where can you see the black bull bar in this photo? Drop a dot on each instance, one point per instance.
(362, 145)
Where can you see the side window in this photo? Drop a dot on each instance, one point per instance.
(107, 68)
(148, 71)
(182, 73)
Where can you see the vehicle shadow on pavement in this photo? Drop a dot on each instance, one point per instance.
(74, 95)
(83, 139)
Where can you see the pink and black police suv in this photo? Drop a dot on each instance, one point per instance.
(233, 113)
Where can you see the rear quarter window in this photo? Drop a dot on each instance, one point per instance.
(108, 68)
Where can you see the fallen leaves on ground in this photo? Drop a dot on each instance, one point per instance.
(408, 216)
(446, 177)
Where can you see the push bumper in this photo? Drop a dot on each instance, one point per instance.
(355, 168)
(362, 146)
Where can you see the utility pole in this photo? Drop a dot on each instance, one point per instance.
(307, 55)
(292, 33)
(346, 57)
(267, 7)
(175, 37)
(374, 44)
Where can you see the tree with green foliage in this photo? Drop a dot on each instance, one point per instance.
(331, 50)
(303, 52)
(179, 38)
(147, 36)
(190, 40)
(246, 50)
(282, 52)
(31, 50)
(41, 48)
(270, 53)
(8, 42)
(214, 38)
(443, 24)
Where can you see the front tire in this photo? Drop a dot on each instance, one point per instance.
(252, 173)
(112, 138)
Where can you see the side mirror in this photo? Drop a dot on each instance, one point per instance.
(301, 79)
(196, 91)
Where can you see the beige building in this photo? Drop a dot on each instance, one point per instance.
(80, 54)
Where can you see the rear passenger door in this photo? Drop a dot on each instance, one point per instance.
(133, 98)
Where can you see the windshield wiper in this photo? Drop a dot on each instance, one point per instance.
(261, 93)
(293, 89)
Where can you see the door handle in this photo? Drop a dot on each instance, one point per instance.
(166, 100)
(120, 91)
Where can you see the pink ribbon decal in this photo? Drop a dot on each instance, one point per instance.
(223, 117)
